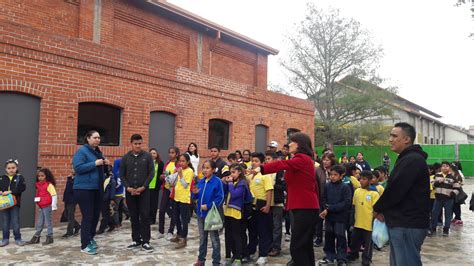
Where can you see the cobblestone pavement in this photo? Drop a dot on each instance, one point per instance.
(457, 249)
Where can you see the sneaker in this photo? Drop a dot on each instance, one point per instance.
(134, 245)
(445, 231)
(341, 263)
(318, 242)
(100, 231)
(66, 235)
(458, 222)
(20, 242)
(237, 263)
(287, 237)
(262, 261)
(94, 244)
(76, 231)
(169, 236)
(274, 253)
(89, 250)
(246, 259)
(325, 261)
(111, 228)
(352, 258)
(160, 235)
(4, 242)
(228, 262)
(147, 247)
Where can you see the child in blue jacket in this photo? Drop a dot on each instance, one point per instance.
(208, 192)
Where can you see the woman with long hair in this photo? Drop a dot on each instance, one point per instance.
(155, 184)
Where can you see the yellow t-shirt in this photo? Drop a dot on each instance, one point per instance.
(231, 212)
(259, 185)
(181, 193)
(170, 169)
(355, 183)
(248, 164)
(380, 189)
(11, 179)
(364, 201)
(432, 189)
(51, 190)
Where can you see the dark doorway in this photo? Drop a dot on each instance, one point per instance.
(261, 138)
(19, 117)
(162, 127)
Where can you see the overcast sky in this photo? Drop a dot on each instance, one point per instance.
(428, 54)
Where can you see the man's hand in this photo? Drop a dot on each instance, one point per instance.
(379, 216)
(6, 193)
(265, 209)
(131, 190)
(323, 214)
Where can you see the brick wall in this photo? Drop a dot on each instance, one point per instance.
(60, 64)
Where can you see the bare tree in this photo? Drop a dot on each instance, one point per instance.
(324, 48)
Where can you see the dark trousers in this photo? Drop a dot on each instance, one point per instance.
(260, 232)
(90, 202)
(245, 250)
(72, 224)
(439, 204)
(277, 217)
(154, 193)
(233, 238)
(360, 236)
(335, 243)
(303, 222)
(457, 211)
(139, 207)
(318, 229)
(107, 219)
(286, 215)
(182, 216)
(166, 208)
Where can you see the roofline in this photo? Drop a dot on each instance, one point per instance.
(211, 25)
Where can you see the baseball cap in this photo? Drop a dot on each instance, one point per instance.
(273, 144)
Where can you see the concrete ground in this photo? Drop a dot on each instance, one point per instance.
(457, 249)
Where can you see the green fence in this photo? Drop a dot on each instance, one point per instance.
(436, 153)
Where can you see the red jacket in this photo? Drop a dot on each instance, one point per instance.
(42, 192)
(300, 181)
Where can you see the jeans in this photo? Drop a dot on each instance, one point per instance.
(360, 236)
(260, 232)
(457, 211)
(90, 202)
(181, 216)
(303, 222)
(234, 242)
(216, 244)
(166, 208)
(45, 217)
(11, 218)
(139, 207)
(335, 243)
(405, 245)
(154, 193)
(71, 218)
(447, 204)
(277, 213)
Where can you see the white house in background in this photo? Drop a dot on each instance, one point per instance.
(429, 129)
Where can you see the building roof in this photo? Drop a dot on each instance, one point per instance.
(219, 30)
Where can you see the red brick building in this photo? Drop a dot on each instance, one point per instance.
(130, 66)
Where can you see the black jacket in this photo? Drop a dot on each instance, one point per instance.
(220, 164)
(137, 171)
(279, 188)
(68, 196)
(337, 200)
(406, 199)
(17, 186)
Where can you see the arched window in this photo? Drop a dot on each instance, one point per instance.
(219, 134)
(101, 117)
(290, 132)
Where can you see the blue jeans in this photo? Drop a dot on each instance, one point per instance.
(405, 245)
(216, 244)
(11, 218)
(447, 204)
(44, 217)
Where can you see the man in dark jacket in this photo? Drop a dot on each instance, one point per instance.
(136, 171)
(221, 165)
(404, 205)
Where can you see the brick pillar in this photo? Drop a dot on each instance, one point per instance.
(261, 71)
(86, 19)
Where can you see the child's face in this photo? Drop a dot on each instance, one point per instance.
(246, 156)
(335, 176)
(172, 154)
(445, 169)
(374, 181)
(207, 170)
(232, 161)
(364, 182)
(11, 169)
(256, 162)
(234, 174)
(356, 173)
(154, 154)
(41, 176)
(182, 162)
(268, 159)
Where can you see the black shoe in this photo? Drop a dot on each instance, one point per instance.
(246, 259)
(76, 231)
(112, 228)
(134, 245)
(101, 231)
(325, 261)
(341, 263)
(290, 263)
(352, 258)
(318, 242)
(147, 247)
(445, 231)
(66, 235)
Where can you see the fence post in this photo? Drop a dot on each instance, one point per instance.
(456, 152)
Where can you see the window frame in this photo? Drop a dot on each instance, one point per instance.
(117, 132)
(228, 137)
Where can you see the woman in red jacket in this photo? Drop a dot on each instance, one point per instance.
(303, 202)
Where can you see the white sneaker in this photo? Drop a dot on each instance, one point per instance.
(287, 237)
(169, 236)
(160, 235)
(262, 261)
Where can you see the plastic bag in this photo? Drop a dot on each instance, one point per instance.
(379, 233)
(213, 220)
